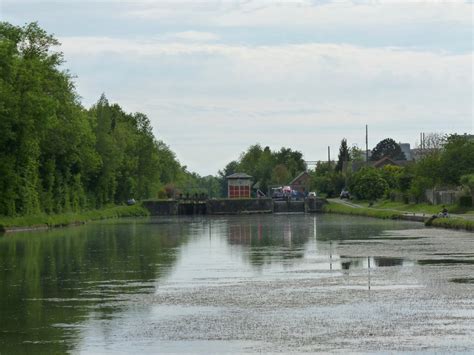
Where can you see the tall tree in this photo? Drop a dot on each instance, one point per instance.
(55, 156)
(457, 158)
(387, 148)
(344, 155)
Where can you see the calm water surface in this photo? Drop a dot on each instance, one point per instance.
(272, 283)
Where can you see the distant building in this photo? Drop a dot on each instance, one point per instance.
(406, 150)
(239, 185)
(301, 182)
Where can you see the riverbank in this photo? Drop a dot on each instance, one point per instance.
(454, 222)
(45, 221)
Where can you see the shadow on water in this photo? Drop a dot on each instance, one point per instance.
(444, 261)
(467, 280)
(60, 276)
(377, 261)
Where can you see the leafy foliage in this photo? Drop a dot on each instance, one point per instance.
(326, 181)
(344, 155)
(387, 148)
(457, 159)
(265, 166)
(368, 184)
(57, 157)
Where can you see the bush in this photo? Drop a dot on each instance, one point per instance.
(465, 201)
(368, 184)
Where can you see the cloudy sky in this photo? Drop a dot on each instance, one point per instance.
(217, 76)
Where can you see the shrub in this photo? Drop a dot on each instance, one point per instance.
(368, 184)
(465, 201)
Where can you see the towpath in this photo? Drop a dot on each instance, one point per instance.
(418, 214)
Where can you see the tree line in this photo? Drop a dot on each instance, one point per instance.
(446, 161)
(57, 156)
(266, 167)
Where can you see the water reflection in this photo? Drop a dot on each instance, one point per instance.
(277, 239)
(59, 276)
(59, 288)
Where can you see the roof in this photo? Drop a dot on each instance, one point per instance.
(387, 161)
(384, 160)
(298, 177)
(238, 176)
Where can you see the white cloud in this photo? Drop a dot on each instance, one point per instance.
(304, 13)
(296, 63)
(192, 36)
(305, 96)
(225, 74)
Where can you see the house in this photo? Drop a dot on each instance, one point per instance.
(239, 185)
(357, 165)
(388, 161)
(301, 182)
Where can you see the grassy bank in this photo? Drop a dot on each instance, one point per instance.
(416, 207)
(64, 219)
(366, 212)
(452, 223)
(449, 223)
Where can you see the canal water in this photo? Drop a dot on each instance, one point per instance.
(242, 284)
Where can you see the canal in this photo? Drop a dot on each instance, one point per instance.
(261, 283)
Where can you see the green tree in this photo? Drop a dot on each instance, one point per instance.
(391, 175)
(468, 182)
(280, 175)
(46, 142)
(457, 159)
(261, 165)
(368, 184)
(55, 155)
(326, 181)
(344, 155)
(387, 148)
(356, 154)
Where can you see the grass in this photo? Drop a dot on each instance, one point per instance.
(452, 223)
(411, 207)
(393, 213)
(367, 212)
(64, 219)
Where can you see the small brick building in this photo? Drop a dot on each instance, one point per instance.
(301, 183)
(239, 185)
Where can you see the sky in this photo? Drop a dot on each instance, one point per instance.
(215, 77)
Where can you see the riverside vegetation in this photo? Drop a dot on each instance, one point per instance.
(63, 163)
(60, 161)
(385, 213)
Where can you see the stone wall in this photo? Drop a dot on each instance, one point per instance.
(232, 206)
(289, 207)
(162, 207)
(239, 206)
(315, 204)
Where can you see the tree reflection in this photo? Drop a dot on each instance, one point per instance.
(58, 277)
(269, 239)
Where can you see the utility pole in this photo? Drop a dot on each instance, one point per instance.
(329, 156)
(367, 144)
